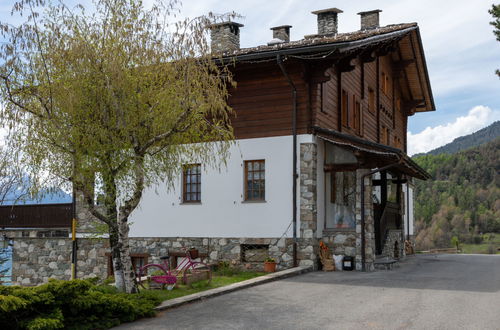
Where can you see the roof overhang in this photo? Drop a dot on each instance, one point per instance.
(373, 155)
(407, 36)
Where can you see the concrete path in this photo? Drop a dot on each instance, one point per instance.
(425, 292)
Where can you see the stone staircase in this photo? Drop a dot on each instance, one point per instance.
(383, 262)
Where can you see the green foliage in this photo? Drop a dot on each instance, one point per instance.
(224, 268)
(119, 93)
(495, 12)
(462, 200)
(77, 304)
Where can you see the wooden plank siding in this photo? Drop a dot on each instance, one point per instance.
(36, 216)
(262, 100)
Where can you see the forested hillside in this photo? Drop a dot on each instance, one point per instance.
(462, 199)
(482, 136)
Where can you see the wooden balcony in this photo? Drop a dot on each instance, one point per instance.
(36, 216)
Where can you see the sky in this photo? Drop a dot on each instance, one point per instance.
(461, 51)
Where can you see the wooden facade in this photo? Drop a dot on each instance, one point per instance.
(368, 93)
(36, 216)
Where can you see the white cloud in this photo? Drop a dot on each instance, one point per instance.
(433, 137)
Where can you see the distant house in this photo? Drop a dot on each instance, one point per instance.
(321, 126)
(48, 216)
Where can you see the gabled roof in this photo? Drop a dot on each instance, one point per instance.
(317, 47)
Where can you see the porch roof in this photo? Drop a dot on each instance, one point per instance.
(373, 155)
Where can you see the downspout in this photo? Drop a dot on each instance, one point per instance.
(279, 60)
(363, 243)
(408, 209)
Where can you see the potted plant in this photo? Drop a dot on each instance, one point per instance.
(269, 265)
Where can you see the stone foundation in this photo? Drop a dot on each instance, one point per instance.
(35, 260)
(395, 235)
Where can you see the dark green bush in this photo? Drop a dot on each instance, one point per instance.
(78, 304)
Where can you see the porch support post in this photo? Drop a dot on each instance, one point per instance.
(363, 208)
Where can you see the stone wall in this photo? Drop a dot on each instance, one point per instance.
(308, 197)
(35, 260)
(389, 250)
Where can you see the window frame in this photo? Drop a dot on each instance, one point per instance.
(197, 192)
(261, 192)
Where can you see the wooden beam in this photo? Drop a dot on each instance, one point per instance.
(341, 167)
(409, 106)
(347, 64)
(368, 57)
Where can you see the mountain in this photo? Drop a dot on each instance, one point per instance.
(17, 194)
(484, 135)
(463, 197)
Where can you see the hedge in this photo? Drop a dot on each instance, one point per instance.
(76, 304)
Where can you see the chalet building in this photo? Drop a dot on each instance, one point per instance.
(320, 155)
(321, 126)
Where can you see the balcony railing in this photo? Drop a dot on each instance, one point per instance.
(36, 216)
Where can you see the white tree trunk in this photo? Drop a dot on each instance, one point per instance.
(122, 264)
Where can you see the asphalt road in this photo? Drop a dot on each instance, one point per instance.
(424, 292)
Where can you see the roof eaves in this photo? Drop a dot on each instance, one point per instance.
(426, 72)
(282, 49)
(383, 148)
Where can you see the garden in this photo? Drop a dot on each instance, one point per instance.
(88, 304)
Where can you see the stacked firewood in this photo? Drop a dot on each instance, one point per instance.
(409, 248)
(326, 257)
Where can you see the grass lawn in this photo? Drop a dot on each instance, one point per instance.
(491, 242)
(218, 279)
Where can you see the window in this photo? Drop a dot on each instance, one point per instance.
(385, 83)
(385, 136)
(255, 183)
(138, 260)
(52, 233)
(345, 109)
(191, 183)
(341, 209)
(371, 100)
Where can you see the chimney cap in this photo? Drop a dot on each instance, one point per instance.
(369, 12)
(280, 27)
(226, 23)
(329, 10)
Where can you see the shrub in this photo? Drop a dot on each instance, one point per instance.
(477, 239)
(77, 304)
(224, 268)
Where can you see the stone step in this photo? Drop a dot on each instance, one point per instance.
(384, 263)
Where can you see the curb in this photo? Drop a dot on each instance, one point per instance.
(168, 304)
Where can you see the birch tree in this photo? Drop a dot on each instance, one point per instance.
(119, 91)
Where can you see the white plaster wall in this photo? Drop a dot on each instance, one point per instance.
(408, 212)
(222, 212)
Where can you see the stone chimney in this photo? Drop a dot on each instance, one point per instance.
(282, 32)
(225, 37)
(327, 21)
(370, 19)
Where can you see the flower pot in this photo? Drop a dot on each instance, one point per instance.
(269, 267)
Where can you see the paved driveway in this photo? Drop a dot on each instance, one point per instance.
(425, 292)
